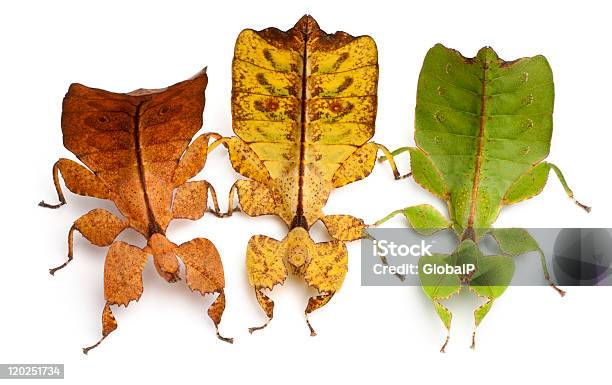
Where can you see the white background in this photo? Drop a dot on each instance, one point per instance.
(387, 334)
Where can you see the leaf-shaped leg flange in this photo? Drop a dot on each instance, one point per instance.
(345, 227)
(360, 164)
(491, 278)
(97, 226)
(325, 272)
(204, 272)
(255, 198)
(191, 200)
(515, 242)
(439, 287)
(265, 269)
(532, 183)
(78, 179)
(122, 282)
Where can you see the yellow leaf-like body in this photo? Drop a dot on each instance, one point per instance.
(303, 102)
(303, 108)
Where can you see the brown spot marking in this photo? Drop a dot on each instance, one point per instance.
(261, 79)
(271, 104)
(439, 115)
(316, 91)
(292, 90)
(341, 59)
(336, 107)
(345, 84)
(268, 56)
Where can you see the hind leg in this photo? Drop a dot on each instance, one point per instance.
(122, 282)
(265, 269)
(97, 226)
(78, 179)
(438, 287)
(325, 272)
(109, 324)
(204, 272)
(490, 280)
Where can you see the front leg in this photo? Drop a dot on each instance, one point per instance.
(78, 179)
(360, 164)
(194, 159)
(97, 226)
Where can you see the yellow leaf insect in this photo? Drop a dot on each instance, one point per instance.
(303, 109)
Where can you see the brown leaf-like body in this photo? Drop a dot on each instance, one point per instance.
(136, 149)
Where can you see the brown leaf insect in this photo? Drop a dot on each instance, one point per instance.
(137, 152)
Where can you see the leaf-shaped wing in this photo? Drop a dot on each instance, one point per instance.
(483, 122)
(303, 101)
(133, 142)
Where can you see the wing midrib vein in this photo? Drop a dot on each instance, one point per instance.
(481, 139)
(299, 220)
(153, 226)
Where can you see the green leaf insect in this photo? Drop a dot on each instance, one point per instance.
(483, 129)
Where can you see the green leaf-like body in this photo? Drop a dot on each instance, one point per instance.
(482, 128)
(483, 123)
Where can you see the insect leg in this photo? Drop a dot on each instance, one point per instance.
(109, 324)
(568, 191)
(265, 269)
(70, 251)
(193, 160)
(357, 166)
(315, 303)
(325, 272)
(122, 282)
(255, 198)
(393, 153)
(204, 272)
(479, 314)
(78, 179)
(446, 316)
(98, 226)
(345, 227)
(532, 183)
(267, 305)
(389, 216)
(213, 195)
(389, 156)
